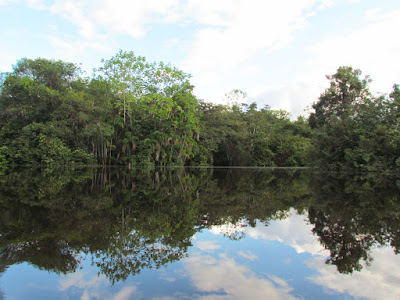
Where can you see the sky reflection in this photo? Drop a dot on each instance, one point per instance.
(281, 260)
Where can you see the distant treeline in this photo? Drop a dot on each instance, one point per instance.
(136, 113)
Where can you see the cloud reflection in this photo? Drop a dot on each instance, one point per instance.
(248, 255)
(94, 287)
(222, 278)
(207, 246)
(293, 231)
(380, 280)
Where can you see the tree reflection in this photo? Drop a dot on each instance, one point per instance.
(127, 221)
(351, 214)
(130, 220)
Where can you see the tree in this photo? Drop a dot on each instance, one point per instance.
(132, 77)
(338, 101)
(51, 73)
(33, 131)
(158, 109)
(345, 120)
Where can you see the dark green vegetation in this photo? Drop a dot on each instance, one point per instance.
(352, 129)
(136, 113)
(132, 220)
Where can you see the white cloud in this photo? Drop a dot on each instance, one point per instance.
(374, 49)
(293, 231)
(244, 28)
(93, 286)
(7, 2)
(380, 280)
(131, 17)
(79, 50)
(224, 51)
(207, 246)
(372, 14)
(125, 293)
(248, 255)
(6, 61)
(235, 281)
(75, 11)
(326, 3)
(90, 286)
(295, 97)
(37, 4)
(118, 16)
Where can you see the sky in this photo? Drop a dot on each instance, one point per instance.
(277, 52)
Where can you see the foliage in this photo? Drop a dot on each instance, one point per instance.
(243, 135)
(353, 130)
(140, 113)
(135, 113)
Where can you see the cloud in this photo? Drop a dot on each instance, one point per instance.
(295, 97)
(293, 231)
(93, 286)
(6, 61)
(75, 11)
(237, 30)
(78, 50)
(132, 17)
(7, 2)
(207, 246)
(223, 278)
(125, 293)
(234, 47)
(114, 17)
(380, 280)
(248, 255)
(372, 48)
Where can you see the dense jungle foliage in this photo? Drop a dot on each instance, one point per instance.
(136, 113)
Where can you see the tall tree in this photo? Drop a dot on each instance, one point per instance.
(353, 129)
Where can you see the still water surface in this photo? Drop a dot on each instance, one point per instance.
(198, 234)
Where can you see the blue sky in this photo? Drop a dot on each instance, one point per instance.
(278, 52)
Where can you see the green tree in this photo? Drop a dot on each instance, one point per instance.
(350, 125)
(159, 114)
(30, 100)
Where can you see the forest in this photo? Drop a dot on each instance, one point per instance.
(132, 112)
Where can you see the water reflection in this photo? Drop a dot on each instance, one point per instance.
(352, 214)
(126, 222)
(221, 277)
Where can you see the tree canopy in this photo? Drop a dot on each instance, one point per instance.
(352, 129)
(137, 113)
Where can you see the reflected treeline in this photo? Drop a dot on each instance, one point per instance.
(352, 214)
(249, 195)
(127, 220)
(130, 220)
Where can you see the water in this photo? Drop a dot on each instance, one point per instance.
(198, 234)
